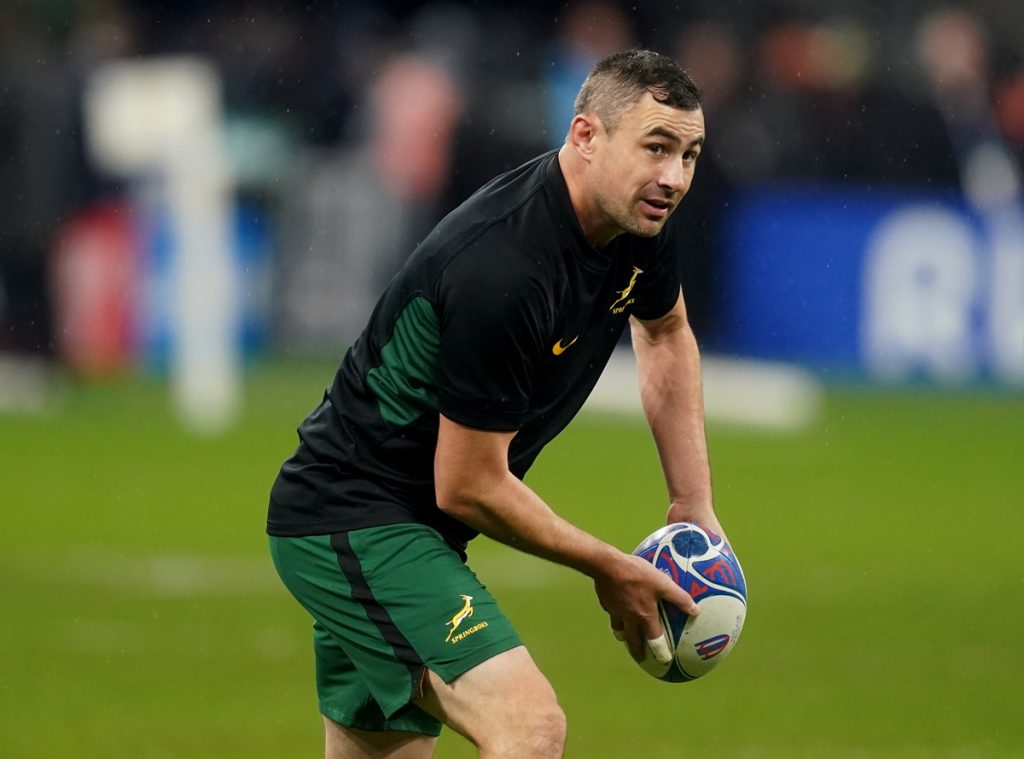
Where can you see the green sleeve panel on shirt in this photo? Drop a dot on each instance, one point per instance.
(405, 383)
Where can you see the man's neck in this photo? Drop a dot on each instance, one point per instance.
(596, 231)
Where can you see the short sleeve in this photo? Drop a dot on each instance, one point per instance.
(493, 317)
(658, 289)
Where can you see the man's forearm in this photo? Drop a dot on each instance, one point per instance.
(474, 485)
(672, 398)
(509, 511)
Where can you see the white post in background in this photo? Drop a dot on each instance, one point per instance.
(164, 117)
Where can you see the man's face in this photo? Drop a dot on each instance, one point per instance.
(640, 172)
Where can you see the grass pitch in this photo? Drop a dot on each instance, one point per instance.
(141, 616)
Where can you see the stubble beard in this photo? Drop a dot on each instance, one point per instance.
(628, 218)
(641, 228)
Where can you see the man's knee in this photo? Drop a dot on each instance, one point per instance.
(504, 705)
(546, 732)
(536, 730)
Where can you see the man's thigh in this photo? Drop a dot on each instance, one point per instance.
(504, 704)
(389, 603)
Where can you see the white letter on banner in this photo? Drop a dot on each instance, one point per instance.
(920, 284)
(1006, 315)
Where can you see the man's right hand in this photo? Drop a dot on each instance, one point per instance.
(629, 590)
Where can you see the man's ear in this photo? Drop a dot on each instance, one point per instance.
(582, 131)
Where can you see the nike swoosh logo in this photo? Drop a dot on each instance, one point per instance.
(558, 349)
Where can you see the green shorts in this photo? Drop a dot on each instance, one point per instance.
(388, 603)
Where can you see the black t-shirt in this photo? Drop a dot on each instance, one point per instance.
(502, 319)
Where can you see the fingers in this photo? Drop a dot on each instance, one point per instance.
(633, 611)
(660, 649)
(666, 588)
(655, 641)
(643, 643)
(684, 603)
(679, 598)
(640, 646)
(633, 638)
(635, 643)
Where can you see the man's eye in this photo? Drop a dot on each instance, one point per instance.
(656, 149)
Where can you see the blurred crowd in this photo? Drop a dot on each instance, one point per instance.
(355, 124)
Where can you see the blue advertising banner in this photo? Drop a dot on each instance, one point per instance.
(897, 287)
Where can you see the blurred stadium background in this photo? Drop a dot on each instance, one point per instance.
(201, 201)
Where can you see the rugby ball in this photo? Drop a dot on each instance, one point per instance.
(702, 564)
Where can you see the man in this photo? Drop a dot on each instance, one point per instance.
(478, 353)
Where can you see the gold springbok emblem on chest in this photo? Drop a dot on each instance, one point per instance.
(624, 300)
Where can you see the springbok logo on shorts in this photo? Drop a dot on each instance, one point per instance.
(461, 614)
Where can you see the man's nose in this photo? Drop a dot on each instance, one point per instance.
(674, 177)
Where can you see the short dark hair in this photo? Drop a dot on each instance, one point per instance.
(618, 82)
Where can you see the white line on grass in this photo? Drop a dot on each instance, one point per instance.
(178, 576)
(199, 575)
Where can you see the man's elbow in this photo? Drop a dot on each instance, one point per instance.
(469, 494)
(452, 501)
(459, 497)
(661, 331)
